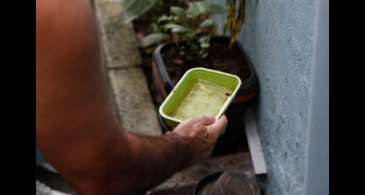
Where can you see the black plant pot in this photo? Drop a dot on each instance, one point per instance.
(245, 95)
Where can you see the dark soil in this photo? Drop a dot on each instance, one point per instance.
(220, 57)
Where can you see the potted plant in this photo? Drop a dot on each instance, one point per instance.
(191, 43)
(187, 36)
(188, 40)
(184, 38)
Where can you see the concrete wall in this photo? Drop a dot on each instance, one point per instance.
(317, 177)
(279, 38)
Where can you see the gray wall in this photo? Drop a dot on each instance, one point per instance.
(317, 178)
(279, 36)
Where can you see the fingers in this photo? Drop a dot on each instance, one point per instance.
(218, 127)
(201, 121)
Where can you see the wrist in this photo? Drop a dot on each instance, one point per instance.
(182, 147)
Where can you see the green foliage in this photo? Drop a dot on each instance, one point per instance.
(204, 41)
(164, 19)
(204, 8)
(175, 28)
(154, 38)
(179, 16)
(185, 24)
(207, 23)
(180, 13)
(181, 24)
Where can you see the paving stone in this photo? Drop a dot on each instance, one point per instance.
(134, 102)
(184, 181)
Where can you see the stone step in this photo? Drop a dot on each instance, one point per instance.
(122, 60)
(134, 104)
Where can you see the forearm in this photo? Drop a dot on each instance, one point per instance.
(76, 129)
(157, 158)
(124, 164)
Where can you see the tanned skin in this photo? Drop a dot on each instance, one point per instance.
(77, 130)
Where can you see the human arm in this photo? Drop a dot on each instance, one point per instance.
(76, 128)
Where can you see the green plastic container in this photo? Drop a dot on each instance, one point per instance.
(185, 84)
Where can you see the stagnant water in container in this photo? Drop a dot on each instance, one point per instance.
(204, 99)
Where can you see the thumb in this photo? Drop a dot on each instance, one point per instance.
(218, 127)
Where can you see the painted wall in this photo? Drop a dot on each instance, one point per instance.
(279, 38)
(317, 177)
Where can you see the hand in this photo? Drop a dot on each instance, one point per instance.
(201, 134)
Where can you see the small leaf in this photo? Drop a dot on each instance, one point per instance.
(179, 12)
(193, 10)
(153, 39)
(164, 19)
(176, 10)
(175, 18)
(207, 23)
(204, 55)
(178, 30)
(204, 45)
(189, 34)
(205, 39)
(204, 7)
(154, 27)
(175, 28)
(204, 42)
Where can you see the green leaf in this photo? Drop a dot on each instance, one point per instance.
(164, 19)
(133, 9)
(207, 23)
(179, 12)
(189, 34)
(154, 27)
(194, 10)
(194, 47)
(203, 8)
(204, 45)
(204, 55)
(182, 53)
(153, 39)
(175, 28)
(204, 42)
